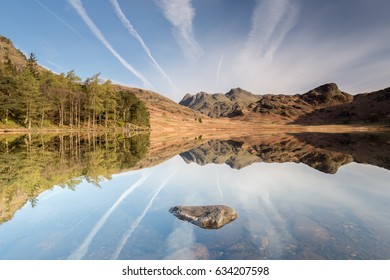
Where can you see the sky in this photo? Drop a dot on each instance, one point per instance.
(176, 47)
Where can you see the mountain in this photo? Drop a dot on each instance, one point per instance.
(231, 104)
(364, 108)
(326, 104)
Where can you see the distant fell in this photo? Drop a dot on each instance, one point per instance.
(231, 104)
(325, 104)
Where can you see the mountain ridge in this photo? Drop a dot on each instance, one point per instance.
(325, 104)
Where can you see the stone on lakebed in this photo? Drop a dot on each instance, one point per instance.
(208, 217)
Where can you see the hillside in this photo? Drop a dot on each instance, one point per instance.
(33, 98)
(68, 102)
(326, 104)
(7, 49)
(165, 114)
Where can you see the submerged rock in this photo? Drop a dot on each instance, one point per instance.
(208, 217)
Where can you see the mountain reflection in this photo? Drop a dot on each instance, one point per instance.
(322, 151)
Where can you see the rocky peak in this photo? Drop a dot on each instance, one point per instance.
(188, 99)
(326, 94)
(241, 95)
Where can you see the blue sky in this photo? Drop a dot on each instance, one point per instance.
(176, 47)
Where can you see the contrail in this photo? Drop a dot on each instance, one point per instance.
(130, 28)
(218, 70)
(219, 186)
(80, 252)
(78, 6)
(128, 234)
(61, 20)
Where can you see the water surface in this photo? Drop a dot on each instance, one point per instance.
(298, 196)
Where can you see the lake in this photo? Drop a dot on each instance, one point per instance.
(297, 196)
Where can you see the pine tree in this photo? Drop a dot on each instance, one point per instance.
(75, 97)
(109, 103)
(32, 65)
(7, 88)
(30, 99)
(94, 98)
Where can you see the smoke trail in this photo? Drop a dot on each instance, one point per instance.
(80, 252)
(135, 224)
(130, 28)
(78, 6)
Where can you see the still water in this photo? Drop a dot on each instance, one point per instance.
(303, 196)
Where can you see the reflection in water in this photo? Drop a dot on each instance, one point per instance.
(136, 223)
(287, 211)
(32, 164)
(80, 252)
(324, 152)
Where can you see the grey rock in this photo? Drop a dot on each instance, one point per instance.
(208, 217)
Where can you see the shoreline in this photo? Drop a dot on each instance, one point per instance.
(214, 127)
(70, 130)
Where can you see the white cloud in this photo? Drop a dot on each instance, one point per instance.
(133, 32)
(78, 6)
(271, 22)
(180, 13)
(356, 65)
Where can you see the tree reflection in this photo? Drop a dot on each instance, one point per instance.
(31, 164)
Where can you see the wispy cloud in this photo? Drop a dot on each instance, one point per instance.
(58, 67)
(78, 6)
(180, 13)
(133, 32)
(80, 252)
(219, 71)
(136, 223)
(271, 21)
